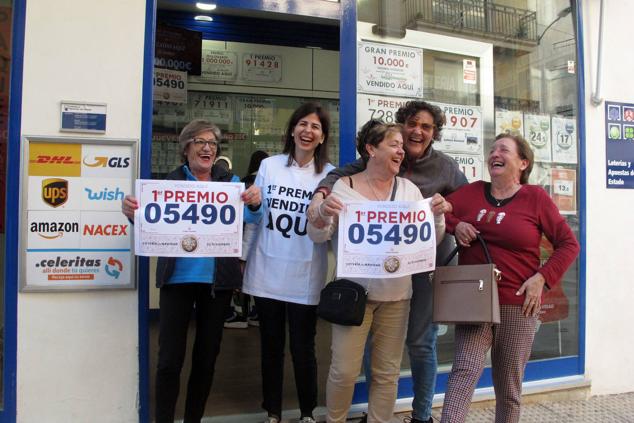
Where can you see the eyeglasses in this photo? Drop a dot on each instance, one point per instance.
(200, 142)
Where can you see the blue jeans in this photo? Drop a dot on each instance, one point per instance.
(421, 345)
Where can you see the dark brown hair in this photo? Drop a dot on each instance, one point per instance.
(321, 152)
(411, 108)
(524, 151)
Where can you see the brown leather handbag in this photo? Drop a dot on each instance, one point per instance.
(467, 294)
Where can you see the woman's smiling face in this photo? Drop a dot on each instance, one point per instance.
(201, 152)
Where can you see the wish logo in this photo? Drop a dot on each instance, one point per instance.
(55, 191)
(104, 161)
(114, 267)
(104, 194)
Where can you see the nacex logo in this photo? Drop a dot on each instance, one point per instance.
(54, 191)
(106, 230)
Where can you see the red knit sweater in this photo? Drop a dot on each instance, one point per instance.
(513, 233)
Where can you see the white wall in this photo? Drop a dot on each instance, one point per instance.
(77, 353)
(610, 274)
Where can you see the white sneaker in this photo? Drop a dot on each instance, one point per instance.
(272, 419)
(307, 420)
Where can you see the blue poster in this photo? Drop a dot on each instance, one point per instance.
(619, 143)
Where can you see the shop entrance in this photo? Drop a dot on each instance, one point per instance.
(254, 68)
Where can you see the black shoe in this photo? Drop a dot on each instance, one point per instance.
(413, 420)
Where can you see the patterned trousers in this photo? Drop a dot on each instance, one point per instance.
(510, 343)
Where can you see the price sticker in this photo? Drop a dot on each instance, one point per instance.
(563, 187)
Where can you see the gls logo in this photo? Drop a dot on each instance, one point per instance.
(103, 161)
(55, 191)
(42, 159)
(105, 194)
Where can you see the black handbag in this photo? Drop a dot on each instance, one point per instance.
(343, 302)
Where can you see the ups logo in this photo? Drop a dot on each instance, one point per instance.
(54, 191)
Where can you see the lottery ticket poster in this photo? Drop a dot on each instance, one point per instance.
(509, 122)
(386, 239)
(537, 130)
(564, 191)
(564, 140)
(188, 219)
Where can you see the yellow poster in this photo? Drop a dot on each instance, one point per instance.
(54, 159)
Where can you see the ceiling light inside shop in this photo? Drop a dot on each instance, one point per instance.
(203, 18)
(206, 6)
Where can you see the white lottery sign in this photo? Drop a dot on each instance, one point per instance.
(564, 140)
(170, 85)
(390, 69)
(386, 239)
(463, 130)
(188, 219)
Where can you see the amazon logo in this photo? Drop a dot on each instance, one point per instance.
(53, 230)
(105, 161)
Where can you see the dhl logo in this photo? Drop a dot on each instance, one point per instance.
(43, 159)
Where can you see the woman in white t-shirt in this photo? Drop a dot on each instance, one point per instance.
(285, 270)
(381, 147)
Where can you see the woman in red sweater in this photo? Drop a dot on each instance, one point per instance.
(511, 216)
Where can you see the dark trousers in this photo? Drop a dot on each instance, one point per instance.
(176, 304)
(302, 322)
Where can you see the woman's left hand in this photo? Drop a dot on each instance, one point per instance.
(252, 196)
(439, 205)
(533, 288)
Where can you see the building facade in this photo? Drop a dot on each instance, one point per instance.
(83, 348)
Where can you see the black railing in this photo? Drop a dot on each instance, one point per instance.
(474, 16)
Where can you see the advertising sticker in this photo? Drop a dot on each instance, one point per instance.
(619, 140)
(564, 140)
(219, 65)
(509, 122)
(386, 239)
(217, 108)
(537, 130)
(75, 234)
(170, 86)
(188, 219)
(261, 67)
(564, 191)
(390, 69)
(470, 165)
(463, 130)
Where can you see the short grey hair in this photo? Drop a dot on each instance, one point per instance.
(194, 128)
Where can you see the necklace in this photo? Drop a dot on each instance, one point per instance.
(501, 201)
(367, 178)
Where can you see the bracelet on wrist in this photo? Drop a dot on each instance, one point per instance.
(323, 190)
